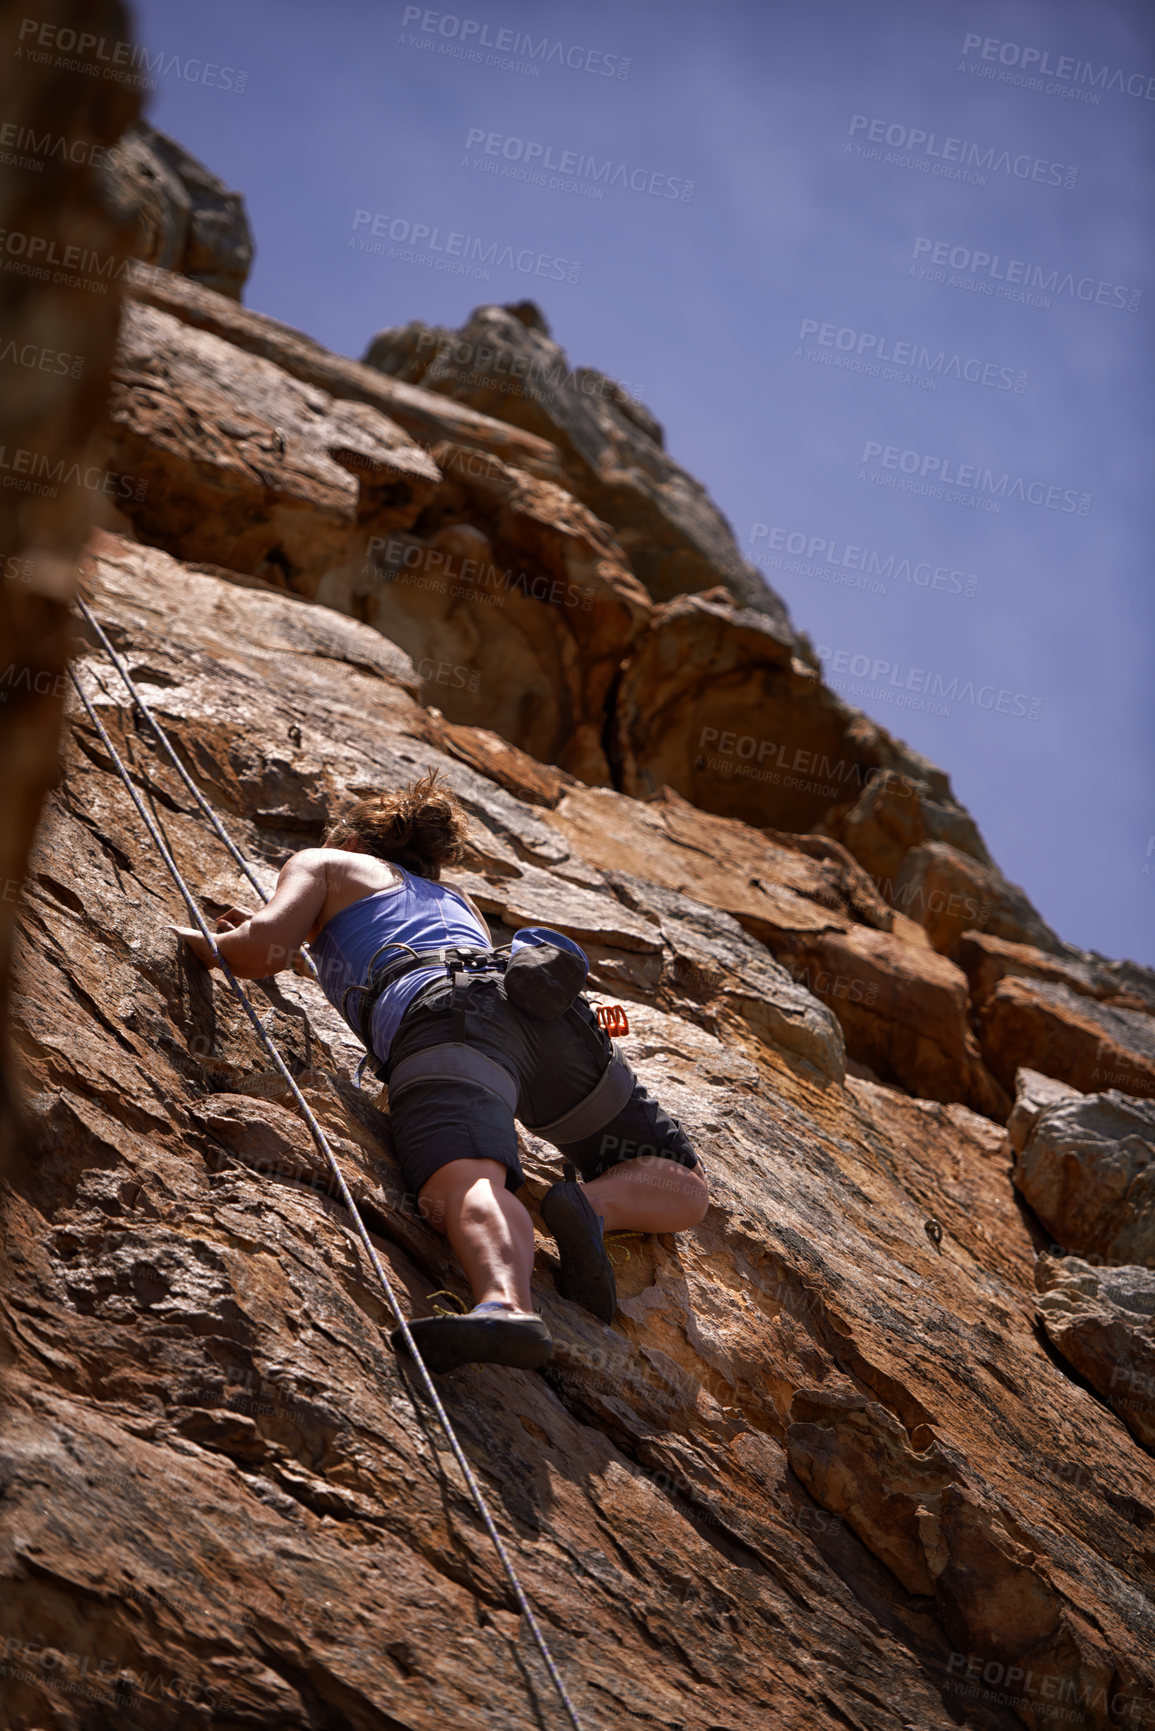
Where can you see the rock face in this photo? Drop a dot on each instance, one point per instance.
(57, 349)
(853, 1452)
(1091, 1045)
(1102, 1320)
(519, 529)
(763, 1460)
(1087, 1168)
(184, 218)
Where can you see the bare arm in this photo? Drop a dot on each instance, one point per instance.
(256, 945)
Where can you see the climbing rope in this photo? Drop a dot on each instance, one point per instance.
(315, 1130)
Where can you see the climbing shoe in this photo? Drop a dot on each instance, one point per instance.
(488, 1334)
(586, 1275)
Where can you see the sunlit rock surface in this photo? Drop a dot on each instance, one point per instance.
(870, 1447)
(820, 1470)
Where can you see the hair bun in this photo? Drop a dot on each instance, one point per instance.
(420, 827)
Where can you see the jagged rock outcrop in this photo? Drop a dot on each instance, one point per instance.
(902, 1009)
(1087, 1168)
(504, 362)
(853, 1452)
(892, 815)
(184, 218)
(951, 893)
(1102, 1320)
(715, 702)
(1046, 1024)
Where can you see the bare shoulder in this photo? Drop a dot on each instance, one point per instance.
(309, 859)
(338, 863)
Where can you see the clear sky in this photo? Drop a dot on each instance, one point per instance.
(884, 273)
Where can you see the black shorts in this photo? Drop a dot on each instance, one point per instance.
(553, 1064)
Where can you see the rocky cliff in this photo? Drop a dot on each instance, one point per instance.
(871, 1446)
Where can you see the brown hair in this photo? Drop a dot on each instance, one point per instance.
(420, 827)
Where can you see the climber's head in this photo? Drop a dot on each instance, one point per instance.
(420, 827)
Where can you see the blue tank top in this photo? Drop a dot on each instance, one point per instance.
(419, 912)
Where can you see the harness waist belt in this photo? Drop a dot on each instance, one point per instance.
(451, 1062)
(604, 1101)
(381, 978)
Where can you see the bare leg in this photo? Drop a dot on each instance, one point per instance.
(649, 1195)
(489, 1229)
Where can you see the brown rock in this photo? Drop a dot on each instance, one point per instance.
(987, 960)
(916, 1512)
(1088, 1171)
(515, 604)
(186, 219)
(428, 419)
(716, 702)
(903, 1012)
(235, 463)
(1049, 1027)
(950, 893)
(504, 362)
(773, 889)
(891, 816)
(1033, 1093)
(494, 757)
(707, 959)
(1102, 1320)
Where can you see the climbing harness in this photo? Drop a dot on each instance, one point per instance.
(315, 1130)
(550, 979)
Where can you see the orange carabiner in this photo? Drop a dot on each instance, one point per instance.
(613, 1019)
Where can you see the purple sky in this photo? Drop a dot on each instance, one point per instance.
(748, 310)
